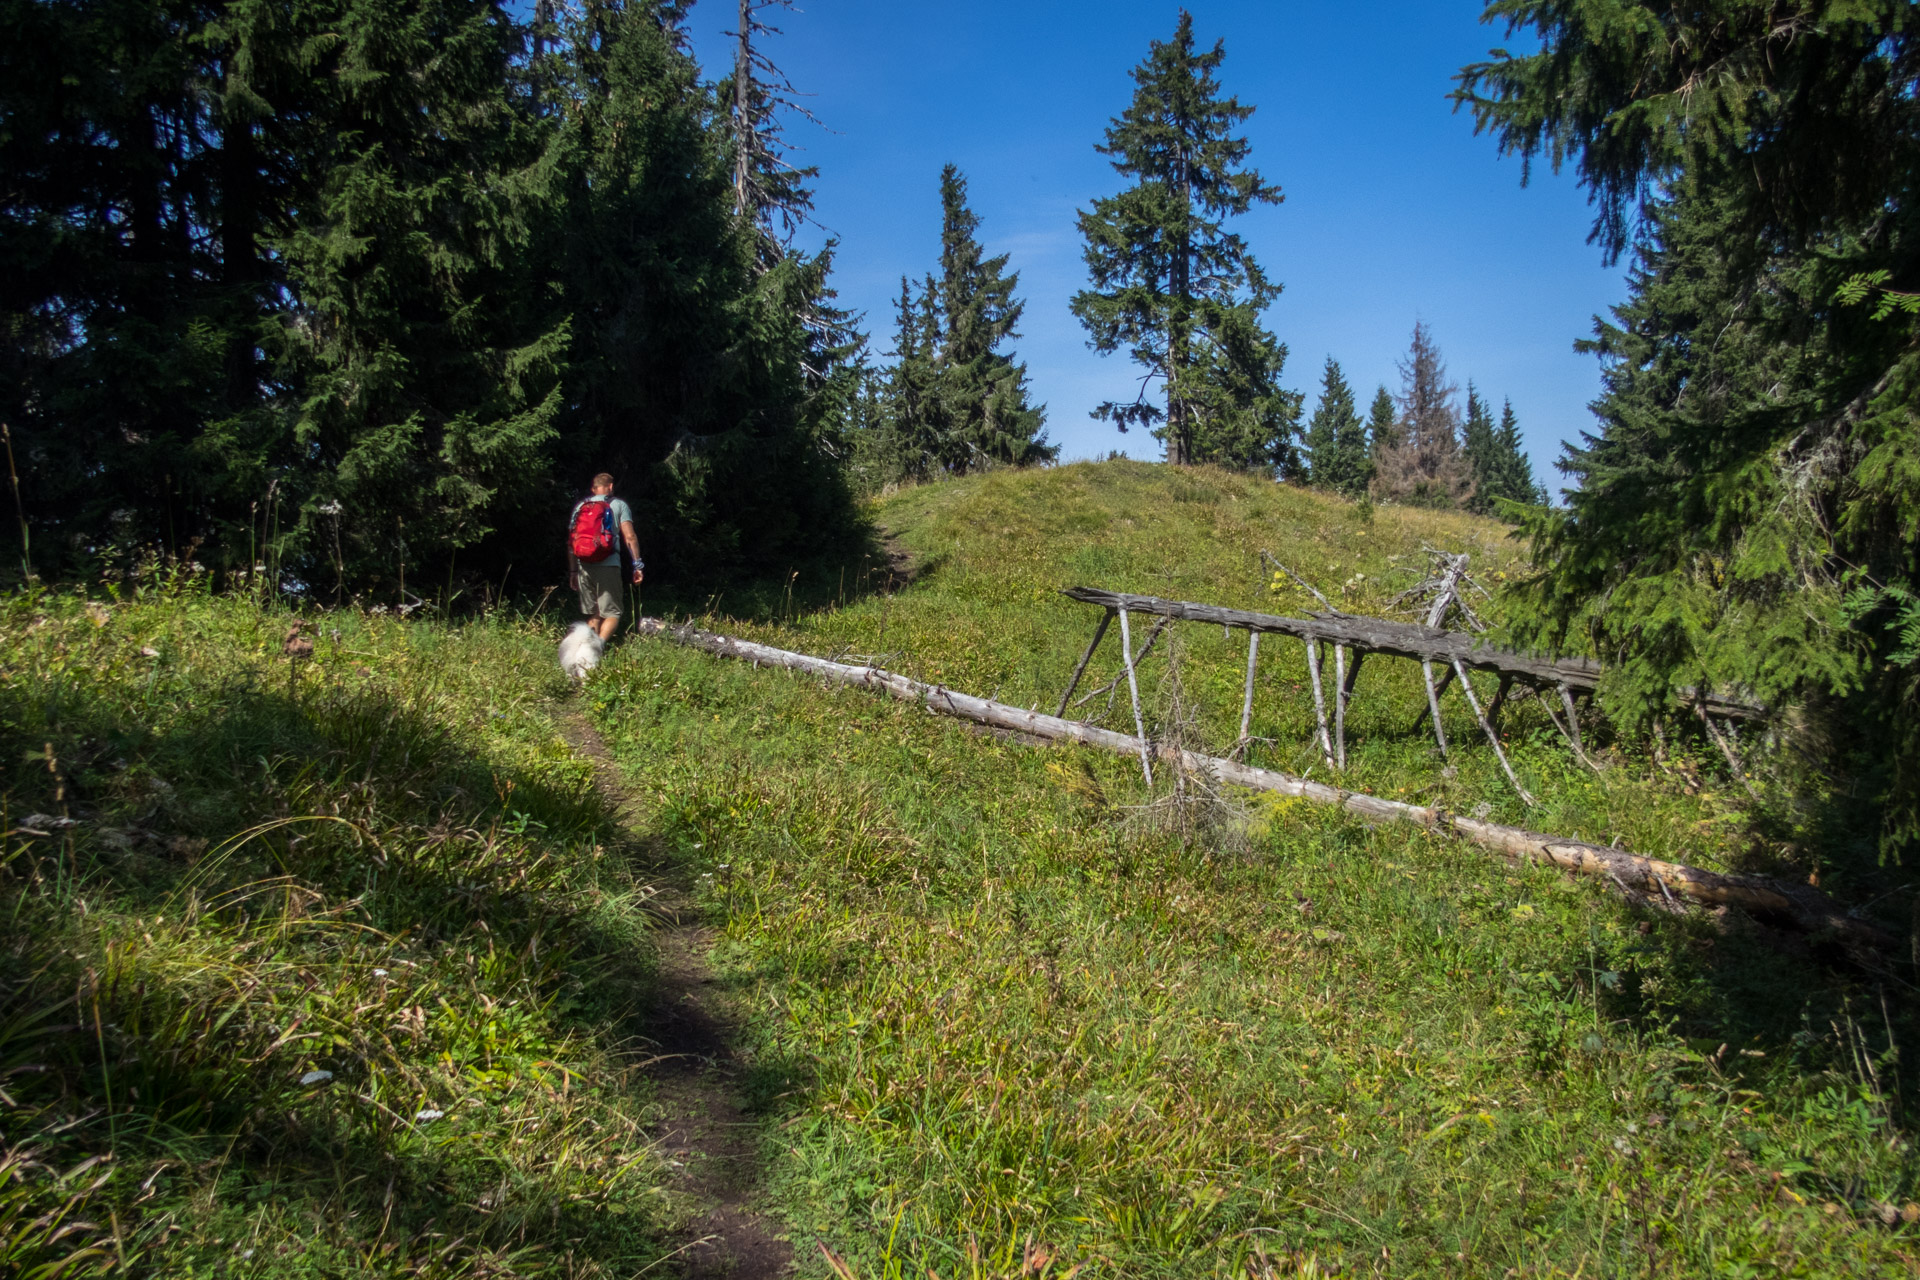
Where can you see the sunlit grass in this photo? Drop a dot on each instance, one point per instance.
(998, 1004)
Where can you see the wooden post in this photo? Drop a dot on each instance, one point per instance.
(1726, 749)
(1433, 707)
(1340, 705)
(1246, 704)
(1486, 726)
(1099, 634)
(1499, 700)
(1572, 735)
(1133, 687)
(1319, 700)
(1440, 690)
(1573, 720)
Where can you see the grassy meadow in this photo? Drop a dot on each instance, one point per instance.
(1004, 1002)
(333, 967)
(333, 973)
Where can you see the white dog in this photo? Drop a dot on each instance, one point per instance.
(580, 650)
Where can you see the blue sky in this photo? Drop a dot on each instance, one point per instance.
(1394, 209)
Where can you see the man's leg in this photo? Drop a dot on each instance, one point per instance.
(606, 626)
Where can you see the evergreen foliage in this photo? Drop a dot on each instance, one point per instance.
(426, 359)
(1422, 464)
(1478, 442)
(1339, 458)
(1512, 474)
(374, 283)
(1171, 286)
(1747, 516)
(985, 391)
(954, 401)
(1383, 425)
(1501, 470)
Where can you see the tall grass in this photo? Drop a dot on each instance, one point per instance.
(323, 967)
(1002, 1012)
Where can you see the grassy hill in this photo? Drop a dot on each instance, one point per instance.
(1002, 1011)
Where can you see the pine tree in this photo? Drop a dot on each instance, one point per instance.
(1171, 286)
(1513, 474)
(1424, 465)
(1383, 426)
(1747, 508)
(768, 189)
(695, 376)
(983, 389)
(1337, 438)
(1481, 447)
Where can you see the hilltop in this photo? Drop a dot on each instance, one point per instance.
(341, 964)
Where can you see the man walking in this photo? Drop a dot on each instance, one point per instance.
(594, 557)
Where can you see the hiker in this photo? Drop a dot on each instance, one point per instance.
(593, 557)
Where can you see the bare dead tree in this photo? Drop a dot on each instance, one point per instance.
(767, 187)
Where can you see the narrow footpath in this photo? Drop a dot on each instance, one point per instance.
(702, 1127)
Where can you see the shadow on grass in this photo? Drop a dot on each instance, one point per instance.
(398, 1019)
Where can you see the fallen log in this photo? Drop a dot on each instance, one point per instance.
(1799, 906)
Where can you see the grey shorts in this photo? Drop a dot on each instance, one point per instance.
(601, 588)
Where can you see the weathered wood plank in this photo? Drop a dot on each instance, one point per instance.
(1396, 639)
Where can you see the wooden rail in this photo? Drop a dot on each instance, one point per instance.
(1395, 639)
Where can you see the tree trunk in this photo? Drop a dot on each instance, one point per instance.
(239, 249)
(742, 103)
(1179, 428)
(1801, 906)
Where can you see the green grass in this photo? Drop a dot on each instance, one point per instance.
(999, 1002)
(1005, 1013)
(384, 866)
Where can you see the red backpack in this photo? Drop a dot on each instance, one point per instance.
(592, 536)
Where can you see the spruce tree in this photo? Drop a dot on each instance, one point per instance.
(1337, 438)
(1424, 465)
(1746, 509)
(1383, 426)
(431, 365)
(768, 189)
(1171, 286)
(1481, 447)
(1513, 477)
(915, 444)
(695, 377)
(983, 389)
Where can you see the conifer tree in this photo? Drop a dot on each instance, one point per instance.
(915, 444)
(984, 391)
(1424, 465)
(1501, 470)
(1513, 476)
(1383, 426)
(1171, 286)
(1337, 438)
(769, 190)
(1747, 508)
(1478, 442)
(430, 364)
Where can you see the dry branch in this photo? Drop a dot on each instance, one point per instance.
(1800, 906)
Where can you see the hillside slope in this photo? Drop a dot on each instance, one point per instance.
(1005, 1001)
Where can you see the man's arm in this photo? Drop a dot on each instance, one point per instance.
(633, 547)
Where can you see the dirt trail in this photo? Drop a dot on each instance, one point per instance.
(702, 1128)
